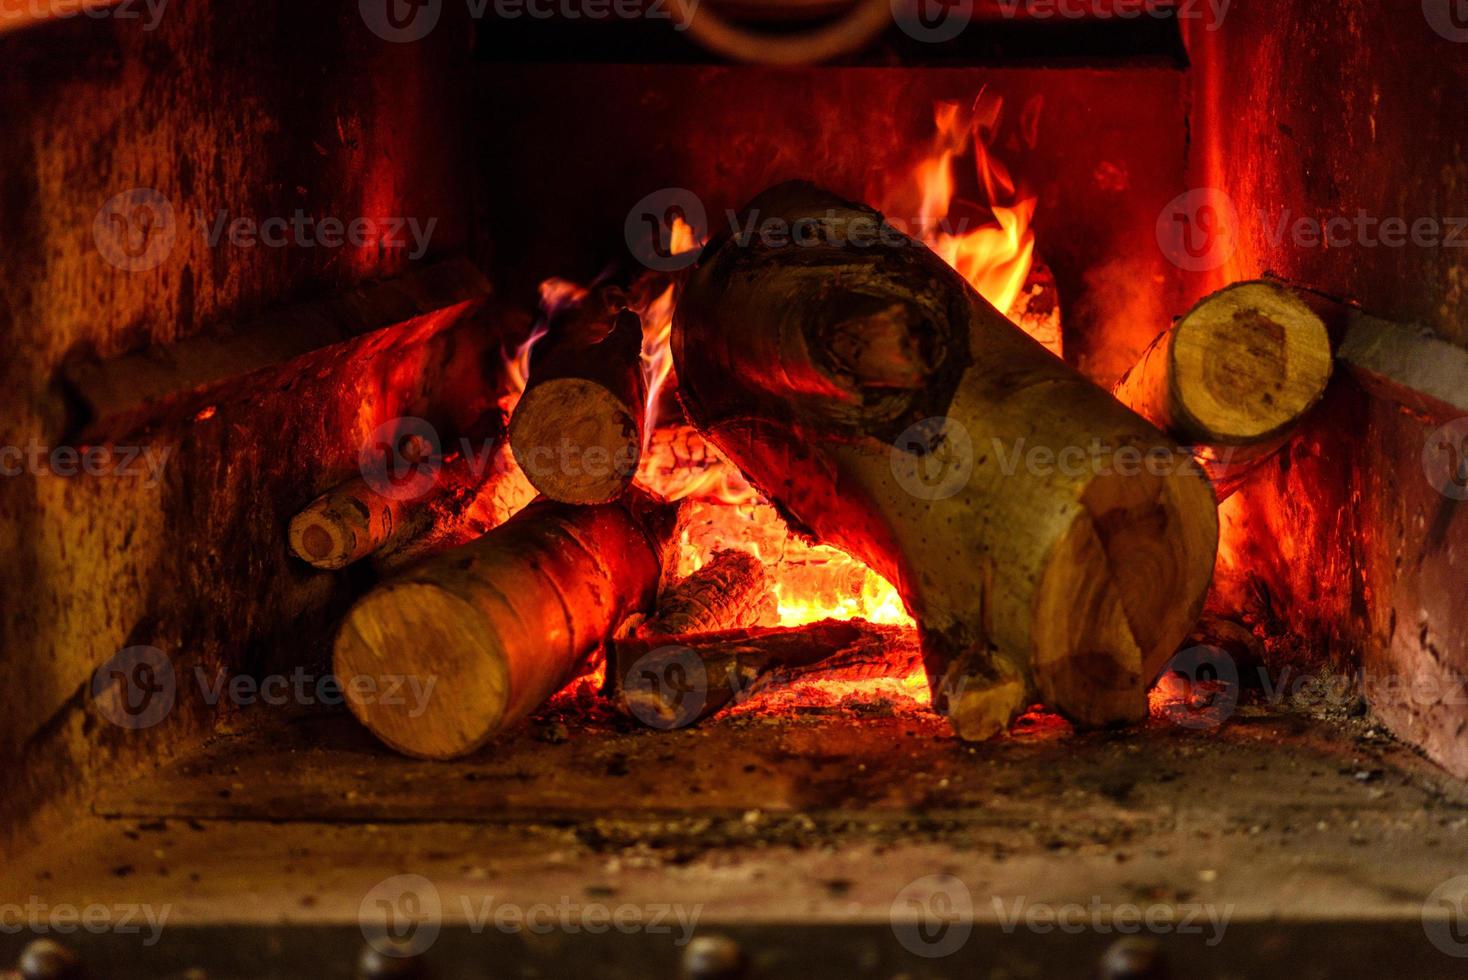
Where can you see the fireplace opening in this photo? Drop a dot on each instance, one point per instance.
(887, 514)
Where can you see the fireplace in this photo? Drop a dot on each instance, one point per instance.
(730, 489)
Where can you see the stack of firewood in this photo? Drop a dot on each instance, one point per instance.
(1053, 541)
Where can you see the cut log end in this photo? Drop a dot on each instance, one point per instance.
(576, 441)
(439, 696)
(336, 530)
(1248, 361)
(1120, 591)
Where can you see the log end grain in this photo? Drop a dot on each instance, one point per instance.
(439, 695)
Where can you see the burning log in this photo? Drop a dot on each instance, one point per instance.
(577, 432)
(499, 624)
(731, 591)
(887, 409)
(357, 519)
(1233, 377)
(675, 681)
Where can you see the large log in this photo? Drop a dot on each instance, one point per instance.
(675, 681)
(1234, 377)
(1048, 541)
(499, 624)
(577, 431)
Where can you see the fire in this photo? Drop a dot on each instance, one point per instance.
(997, 256)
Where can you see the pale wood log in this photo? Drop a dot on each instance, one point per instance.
(1072, 583)
(1234, 377)
(500, 624)
(577, 431)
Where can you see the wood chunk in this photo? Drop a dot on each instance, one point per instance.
(729, 592)
(671, 682)
(498, 625)
(1234, 377)
(577, 431)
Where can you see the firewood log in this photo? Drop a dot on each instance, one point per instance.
(674, 681)
(356, 519)
(499, 624)
(577, 431)
(1047, 540)
(1233, 377)
(729, 592)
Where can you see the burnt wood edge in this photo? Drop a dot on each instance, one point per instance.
(90, 393)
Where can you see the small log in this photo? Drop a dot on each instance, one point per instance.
(675, 681)
(577, 431)
(1234, 377)
(1059, 578)
(729, 592)
(500, 624)
(354, 520)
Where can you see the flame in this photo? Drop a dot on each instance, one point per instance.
(996, 257)
(657, 330)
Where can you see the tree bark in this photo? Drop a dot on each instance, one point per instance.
(1004, 495)
(500, 624)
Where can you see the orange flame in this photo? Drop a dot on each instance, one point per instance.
(997, 256)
